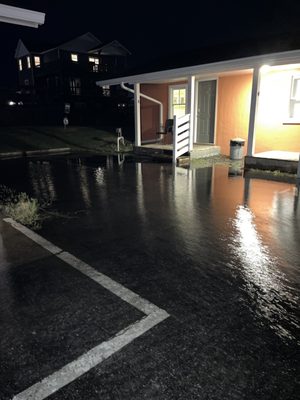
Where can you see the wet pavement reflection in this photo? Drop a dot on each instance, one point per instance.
(218, 251)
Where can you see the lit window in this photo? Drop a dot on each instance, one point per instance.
(20, 65)
(177, 101)
(294, 106)
(37, 61)
(74, 57)
(95, 61)
(28, 62)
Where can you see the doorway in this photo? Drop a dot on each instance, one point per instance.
(206, 108)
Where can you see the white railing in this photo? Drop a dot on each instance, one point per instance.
(181, 136)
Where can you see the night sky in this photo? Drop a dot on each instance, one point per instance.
(151, 29)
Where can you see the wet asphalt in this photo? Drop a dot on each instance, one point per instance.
(220, 254)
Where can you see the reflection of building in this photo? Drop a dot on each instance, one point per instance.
(67, 73)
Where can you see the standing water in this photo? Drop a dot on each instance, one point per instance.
(220, 253)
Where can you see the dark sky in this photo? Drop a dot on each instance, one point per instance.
(151, 28)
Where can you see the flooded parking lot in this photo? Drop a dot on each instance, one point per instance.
(218, 252)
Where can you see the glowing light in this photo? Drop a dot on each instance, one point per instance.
(11, 103)
(265, 68)
(37, 61)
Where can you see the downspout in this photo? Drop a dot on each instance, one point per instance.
(161, 110)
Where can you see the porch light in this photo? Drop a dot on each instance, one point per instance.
(265, 68)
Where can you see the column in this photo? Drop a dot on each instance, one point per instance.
(191, 108)
(253, 111)
(137, 114)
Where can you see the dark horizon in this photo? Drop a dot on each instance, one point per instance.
(154, 32)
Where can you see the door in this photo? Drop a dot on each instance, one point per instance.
(206, 111)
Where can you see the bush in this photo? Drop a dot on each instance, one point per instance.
(20, 207)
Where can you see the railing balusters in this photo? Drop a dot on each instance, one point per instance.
(181, 136)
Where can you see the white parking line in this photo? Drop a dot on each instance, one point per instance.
(34, 236)
(73, 370)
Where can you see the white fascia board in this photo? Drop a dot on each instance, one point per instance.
(287, 57)
(21, 16)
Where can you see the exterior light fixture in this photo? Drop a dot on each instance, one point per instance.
(21, 16)
(265, 68)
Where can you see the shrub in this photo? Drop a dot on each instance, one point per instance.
(20, 207)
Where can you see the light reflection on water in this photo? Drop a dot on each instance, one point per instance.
(263, 281)
(41, 177)
(248, 227)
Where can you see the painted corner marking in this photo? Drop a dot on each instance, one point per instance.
(70, 372)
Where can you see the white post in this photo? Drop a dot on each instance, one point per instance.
(253, 110)
(191, 109)
(137, 114)
(174, 140)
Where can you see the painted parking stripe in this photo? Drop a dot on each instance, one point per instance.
(78, 367)
(34, 236)
(114, 287)
(89, 360)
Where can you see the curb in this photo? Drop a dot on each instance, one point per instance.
(32, 153)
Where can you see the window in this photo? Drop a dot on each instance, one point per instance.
(294, 106)
(95, 62)
(75, 86)
(37, 61)
(74, 57)
(20, 64)
(106, 90)
(177, 101)
(28, 62)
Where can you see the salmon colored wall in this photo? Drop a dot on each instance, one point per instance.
(271, 133)
(150, 110)
(233, 108)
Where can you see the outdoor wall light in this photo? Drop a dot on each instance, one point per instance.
(21, 16)
(265, 68)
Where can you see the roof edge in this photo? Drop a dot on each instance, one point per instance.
(289, 57)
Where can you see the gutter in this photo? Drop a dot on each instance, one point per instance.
(161, 111)
(244, 63)
(21, 16)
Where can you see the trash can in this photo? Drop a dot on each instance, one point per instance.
(237, 148)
